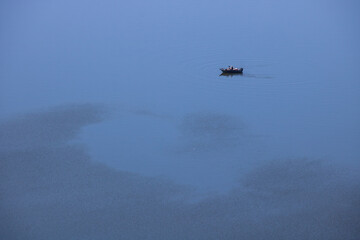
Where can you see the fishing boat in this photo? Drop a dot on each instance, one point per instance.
(231, 70)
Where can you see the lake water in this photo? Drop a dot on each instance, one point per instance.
(116, 123)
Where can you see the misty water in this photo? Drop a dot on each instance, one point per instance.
(116, 123)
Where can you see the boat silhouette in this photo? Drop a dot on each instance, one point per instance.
(231, 70)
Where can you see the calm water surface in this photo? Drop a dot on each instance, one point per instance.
(122, 103)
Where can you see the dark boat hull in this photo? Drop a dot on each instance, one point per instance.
(231, 74)
(231, 71)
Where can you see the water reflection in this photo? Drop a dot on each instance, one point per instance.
(52, 190)
(230, 74)
(180, 119)
(246, 75)
(212, 131)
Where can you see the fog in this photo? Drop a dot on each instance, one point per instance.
(115, 122)
(52, 189)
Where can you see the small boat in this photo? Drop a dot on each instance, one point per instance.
(232, 70)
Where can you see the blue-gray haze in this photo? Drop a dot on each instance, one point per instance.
(115, 123)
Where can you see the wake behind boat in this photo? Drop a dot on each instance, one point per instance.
(231, 69)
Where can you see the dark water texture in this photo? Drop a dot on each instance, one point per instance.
(52, 189)
(116, 123)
